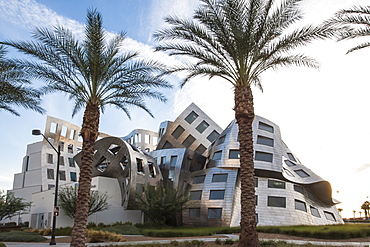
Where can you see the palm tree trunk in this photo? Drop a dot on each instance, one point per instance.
(244, 114)
(89, 134)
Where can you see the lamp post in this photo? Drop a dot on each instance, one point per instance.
(38, 132)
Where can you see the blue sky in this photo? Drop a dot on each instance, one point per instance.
(322, 114)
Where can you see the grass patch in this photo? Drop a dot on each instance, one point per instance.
(21, 236)
(188, 231)
(123, 229)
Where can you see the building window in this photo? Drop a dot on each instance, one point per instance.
(289, 163)
(155, 140)
(173, 161)
(50, 173)
(140, 166)
(195, 195)
(217, 155)
(201, 149)
(191, 117)
(177, 132)
(137, 138)
(49, 158)
(221, 140)
(147, 139)
(51, 186)
(167, 145)
(299, 205)
(61, 160)
(70, 148)
(213, 136)
(276, 201)
(163, 160)
(291, 157)
(329, 216)
(199, 179)
(302, 173)
(188, 141)
(256, 182)
(73, 176)
(265, 141)
(72, 134)
(64, 131)
(264, 126)
(61, 145)
(71, 162)
(315, 212)
(276, 184)
(151, 170)
(216, 195)
(262, 156)
(299, 189)
(202, 126)
(214, 213)
(219, 177)
(234, 154)
(194, 212)
(62, 175)
(53, 128)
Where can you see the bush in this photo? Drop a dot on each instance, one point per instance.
(99, 236)
(21, 236)
(63, 231)
(123, 229)
(45, 232)
(229, 241)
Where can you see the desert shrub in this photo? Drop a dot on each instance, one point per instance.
(45, 232)
(99, 236)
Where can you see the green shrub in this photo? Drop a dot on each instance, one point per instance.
(218, 241)
(229, 241)
(91, 225)
(123, 229)
(63, 231)
(21, 236)
(2, 245)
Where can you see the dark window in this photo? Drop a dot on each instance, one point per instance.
(70, 148)
(71, 162)
(329, 216)
(151, 170)
(73, 176)
(217, 155)
(51, 186)
(178, 131)
(50, 173)
(299, 205)
(256, 182)
(276, 184)
(194, 212)
(289, 163)
(173, 161)
(50, 158)
(234, 154)
(62, 175)
(219, 177)
(202, 126)
(221, 140)
(191, 117)
(216, 195)
(265, 141)
(199, 179)
(140, 166)
(276, 201)
(299, 189)
(163, 160)
(167, 145)
(291, 157)
(61, 160)
(213, 136)
(214, 213)
(261, 156)
(302, 173)
(196, 195)
(188, 141)
(315, 212)
(264, 126)
(201, 149)
(61, 144)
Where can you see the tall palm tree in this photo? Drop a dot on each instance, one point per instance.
(353, 23)
(238, 40)
(14, 89)
(94, 74)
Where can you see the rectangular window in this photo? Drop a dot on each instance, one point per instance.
(49, 158)
(50, 173)
(191, 117)
(315, 212)
(163, 160)
(64, 131)
(155, 140)
(299, 189)
(70, 148)
(276, 184)
(329, 216)
(219, 177)
(291, 157)
(262, 156)
(214, 213)
(234, 154)
(289, 163)
(147, 139)
(71, 162)
(217, 155)
(72, 134)
(188, 141)
(202, 126)
(61, 160)
(265, 141)
(140, 166)
(276, 201)
(51, 186)
(62, 175)
(264, 126)
(194, 212)
(302, 173)
(73, 176)
(213, 136)
(299, 205)
(199, 179)
(178, 131)
(221, 140)
(53, 128)
(173, 161)
(151, 170)
(61, 144)
(195, 195)
(200, 149)
(216, 195)
(167, 145)
(256, 182)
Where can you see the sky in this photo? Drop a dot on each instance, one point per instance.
(323, 114)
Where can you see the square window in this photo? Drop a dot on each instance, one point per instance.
(214, 213)
(299, 189)
(217, 155)
(194, 212)
(315, 212)
(200, 149)
(191, 117)
(264, 126)
(221, 140)
(299, 205)
(262, 156)
(62, 175)
(291, 157)
(71, 162)
(234, 154)
(188, 141)
(213, 136)
(217, 195)
(195, 195)
(276, 184)
(178, 131)
(73, 176)
(199, 179)
(276, 201)
(265, 141)
(329, 216)
(219, 177)
(50, 173)
(202, 126)
(302, 173)
(49, 158)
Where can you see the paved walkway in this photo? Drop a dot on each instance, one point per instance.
(233, 237)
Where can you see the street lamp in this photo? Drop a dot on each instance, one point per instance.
(37, 133)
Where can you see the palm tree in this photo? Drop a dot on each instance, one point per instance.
(366, 207)
(93, 74)
(14, 89)
(238, 40)
(353, 23)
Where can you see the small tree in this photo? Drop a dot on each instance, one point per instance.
(68, 198)
(10, 205)
(161, 202)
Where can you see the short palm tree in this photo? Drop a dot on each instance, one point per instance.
(14, 87)
(238, 40)
(353, 23)
(94, 74)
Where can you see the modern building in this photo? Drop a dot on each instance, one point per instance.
(192, 153)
